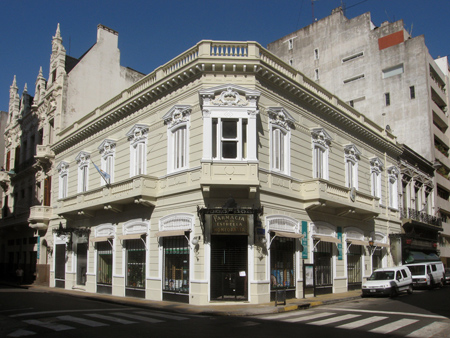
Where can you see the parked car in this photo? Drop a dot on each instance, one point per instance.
(427, 274)
(447, 276)
(388, 281)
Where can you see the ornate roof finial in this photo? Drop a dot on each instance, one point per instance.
(58, 32)
(25, 90)
(40, 72)
(14, 84)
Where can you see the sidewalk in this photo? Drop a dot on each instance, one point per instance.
(221, 309)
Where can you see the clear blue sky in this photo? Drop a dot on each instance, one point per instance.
(153, 32)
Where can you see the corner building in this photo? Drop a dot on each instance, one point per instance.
(223, 175)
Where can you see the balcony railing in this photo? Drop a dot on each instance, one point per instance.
(420, 216)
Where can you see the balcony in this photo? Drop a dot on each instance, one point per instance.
(39, 217)
(138, 190)
(237, 176)
(43, 153)
(413, 216)
(327, 197)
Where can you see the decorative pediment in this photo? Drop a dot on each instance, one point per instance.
(104, 230)
(138, 133)
(63, 167)
(137, 226)
(279, 116)
(282, 223)
(107, 147)
(376, 164)
(83, 158)
(354, 233)
(323, 228)
(321, 137)
(393, 173)
(176, 115)
(229, 95)
(180, 221)
(352, 153)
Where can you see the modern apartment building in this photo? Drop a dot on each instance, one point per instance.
(390, 77)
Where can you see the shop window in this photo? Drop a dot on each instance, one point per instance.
(323, 263)
(377, 258)
(282, 263)
(354, 273)
(176, 264)
(82, 249)
(135, 263)
(104, 263)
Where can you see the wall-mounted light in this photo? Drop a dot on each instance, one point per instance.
(371, 241)
(195, 241)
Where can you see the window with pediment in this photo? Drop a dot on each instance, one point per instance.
(138, 149)
(229, 123)
(107, 151)
(352, 155)
(376, 168)
(392, 186)
(280, 124)
(321, 142)
(177, 121)
(83, 159)
(63, 171)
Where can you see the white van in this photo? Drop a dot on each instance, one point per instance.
(427, 274)
(388, 281)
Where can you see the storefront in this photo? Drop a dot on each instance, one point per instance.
(102, 238)
(284, 249)
(327, 242)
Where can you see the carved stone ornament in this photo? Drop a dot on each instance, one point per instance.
(107, 148)
(280, 117)
(376, 165)
(393, 174)
(63, 168)
(321, 137)
(83, 158)
(229, 97)
(137, 134)
(352, 153)
(178, 114)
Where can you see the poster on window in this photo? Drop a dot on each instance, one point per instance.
(309, 275)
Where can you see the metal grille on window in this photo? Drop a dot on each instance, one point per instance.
(104, 263)
(354, 264)
(282, 263)
(135, 250)
(322, 262)
(376, 259)
(176, 264)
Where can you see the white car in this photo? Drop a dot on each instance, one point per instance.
(388, 281)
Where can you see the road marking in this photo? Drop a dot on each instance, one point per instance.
(48, 325)
(394, 326)
(137, 317)
(83, 321)
(21, 333)
(361, 322)
(68, 311)
(429, 330)
(110, 318)
(390, 313)
(163, 315)
(334, 319)
(313, 316)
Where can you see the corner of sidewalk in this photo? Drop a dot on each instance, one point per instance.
(218, 309)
